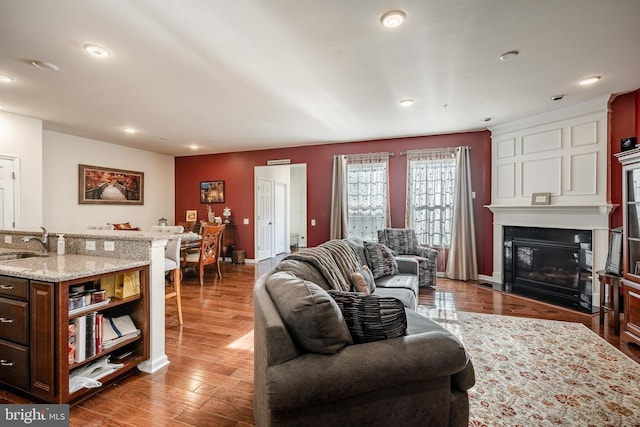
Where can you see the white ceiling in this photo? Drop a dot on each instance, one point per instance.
(245, 74)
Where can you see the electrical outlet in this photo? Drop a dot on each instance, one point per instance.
(109, 246)
(90, 245)
(313, 222)
(7, 239)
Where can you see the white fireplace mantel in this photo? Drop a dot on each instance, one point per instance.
(556, 216)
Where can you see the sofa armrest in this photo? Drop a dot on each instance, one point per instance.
(464, 379)
(407, 265)
(314, 379)
(427, 252)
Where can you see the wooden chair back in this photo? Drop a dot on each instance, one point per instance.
(209, 252)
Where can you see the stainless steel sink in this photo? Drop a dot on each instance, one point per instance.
(7, 257)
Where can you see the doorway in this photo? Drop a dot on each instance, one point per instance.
(7, 192)
(280, 208)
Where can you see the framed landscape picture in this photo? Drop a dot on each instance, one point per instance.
(100, 185)
(212, 192)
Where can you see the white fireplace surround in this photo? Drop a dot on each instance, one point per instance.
(565, 153)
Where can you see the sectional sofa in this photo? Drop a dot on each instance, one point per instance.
(326, 354)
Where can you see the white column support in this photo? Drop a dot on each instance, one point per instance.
(157, 357)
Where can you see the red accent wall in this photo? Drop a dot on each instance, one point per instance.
(624, 122)
(237, 170)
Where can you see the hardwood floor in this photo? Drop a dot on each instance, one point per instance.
(210, 379)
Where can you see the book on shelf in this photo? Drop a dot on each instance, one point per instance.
(98, 332)
(72, 342)
(91, 334)
(81, 342)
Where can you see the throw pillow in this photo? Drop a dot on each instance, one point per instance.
(371, 317)
(312, 317)
(380, 259)
(122, 226)
(363, 281)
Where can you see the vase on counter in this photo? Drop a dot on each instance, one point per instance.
(211, 216)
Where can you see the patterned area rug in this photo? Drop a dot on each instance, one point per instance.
(532, 372)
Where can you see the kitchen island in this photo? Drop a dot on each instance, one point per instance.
(35, 293)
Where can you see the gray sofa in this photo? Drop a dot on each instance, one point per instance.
(419, 379)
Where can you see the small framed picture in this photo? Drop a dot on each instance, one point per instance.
(636, 271)
(212, 192)
(541, 198)
(192, 215)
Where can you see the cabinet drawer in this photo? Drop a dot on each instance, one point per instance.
(14, 363)
(14, 325)
(14, 287)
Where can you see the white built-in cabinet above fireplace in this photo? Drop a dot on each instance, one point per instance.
(562, 152)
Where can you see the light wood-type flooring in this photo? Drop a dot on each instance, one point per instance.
(209, 381)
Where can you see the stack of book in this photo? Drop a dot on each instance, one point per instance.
(85, 337)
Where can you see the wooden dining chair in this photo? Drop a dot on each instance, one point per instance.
(208, 253)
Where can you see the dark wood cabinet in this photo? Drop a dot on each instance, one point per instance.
(34, 335)
(42, 332)
(228, 240)
(630, 328)
(14, 332)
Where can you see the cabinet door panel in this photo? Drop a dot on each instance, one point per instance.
(13, 320)
(42, 336)
(14, 287)
(14, 364)
(632, 311)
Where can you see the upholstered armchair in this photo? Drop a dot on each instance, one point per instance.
(405, 243)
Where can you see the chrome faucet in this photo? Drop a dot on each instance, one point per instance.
(43, 240)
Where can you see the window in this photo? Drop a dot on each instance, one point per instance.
(367, 195)
(430, 196)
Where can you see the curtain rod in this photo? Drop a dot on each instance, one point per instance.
(432, 150)
(390, 154)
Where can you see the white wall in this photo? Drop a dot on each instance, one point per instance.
(21, 138)
(63, 153)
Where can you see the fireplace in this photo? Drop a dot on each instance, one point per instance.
(549, 264)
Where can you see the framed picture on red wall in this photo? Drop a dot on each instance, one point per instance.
(212, 192)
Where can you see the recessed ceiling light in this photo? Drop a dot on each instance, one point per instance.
(509, 56)
(407, 102)
(589, 80)
(557, 97)
(393, 18)
(129, 130)
(1, 107)
(6, 79)
(96, 50)
(193, 146)
(45, 65)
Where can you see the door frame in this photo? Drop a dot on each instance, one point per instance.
(15, 200)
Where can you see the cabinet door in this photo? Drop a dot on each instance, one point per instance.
(631, 323)
(42, 338)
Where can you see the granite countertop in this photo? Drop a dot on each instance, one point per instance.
(54, 268)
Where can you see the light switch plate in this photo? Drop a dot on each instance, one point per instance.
(246, 221)
(91, 245)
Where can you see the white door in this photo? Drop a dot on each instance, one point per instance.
(7, 183)
(280, 218)
(264, 219)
